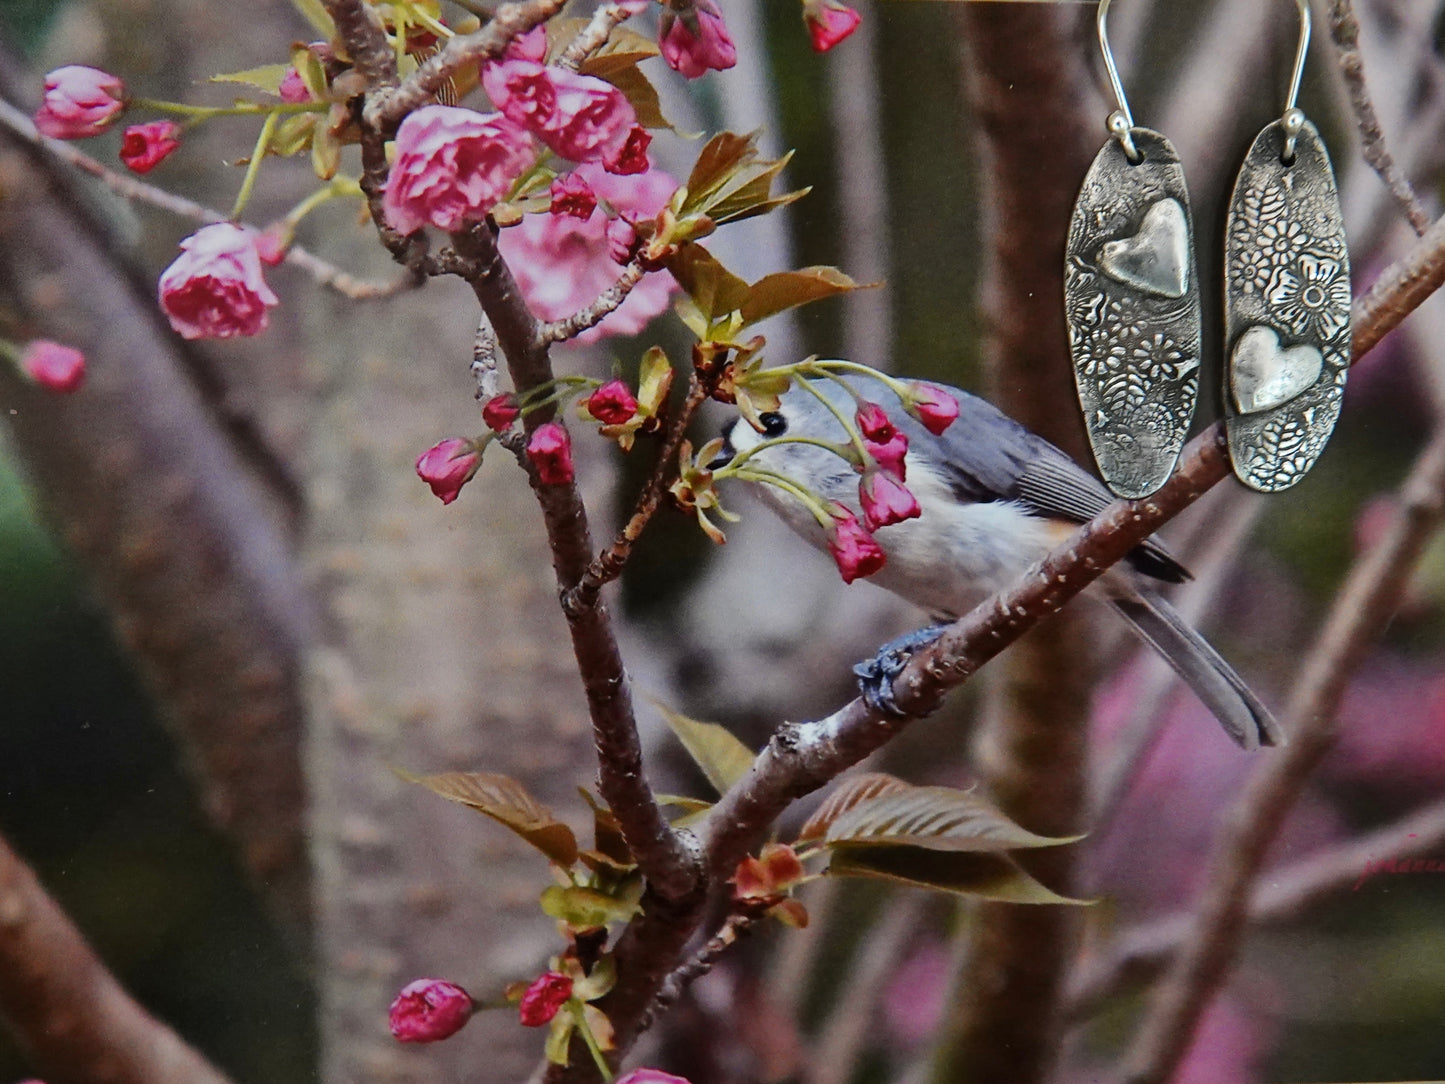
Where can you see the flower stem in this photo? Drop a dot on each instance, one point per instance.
(240, 109)
(591, 1041)
(253, 167)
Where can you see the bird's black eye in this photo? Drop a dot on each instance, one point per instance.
(774, 424)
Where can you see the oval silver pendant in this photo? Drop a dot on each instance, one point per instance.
(1287, 310)
(1131, 295)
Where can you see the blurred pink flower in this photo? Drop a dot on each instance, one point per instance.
(145, 146)
(578, 116)
(562, 264)
(829, 23)
(428, 1010)
(697, 40)
(650, 1076)
(54, 366)
(572, 195)
(215, 289)
(914, 997)
(79, 102)
(452, 166)
(1228, 1045)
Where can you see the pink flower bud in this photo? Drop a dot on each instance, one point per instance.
(886, 500)
(631, 156)
(933, 406)
(547, 994)
(829, 23)
(145, 146)
(272, 243)
(572, 195)
(621, 240)
(890, 455)
(500, 412)
(612, 404)
(293, 88)
(448, 466)
(452, 167)
(550, 451)
(215, 289)
(79, 102)
(697, 41)
(650, 1076)
(53, 366)
(874, 423)
(854, 549)
(428, 1010)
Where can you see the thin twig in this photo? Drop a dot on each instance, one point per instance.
(1363, 607)
(594, 35)
(1345, 33)
(607, 302)
(73, 1019)
(609, 563)
(737, 924)
(138, 191)
(1139, 954)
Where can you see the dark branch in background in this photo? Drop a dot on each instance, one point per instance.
(1345, 33)
(72, 1018)
(182, 514)
(1362, 609)
(1140, 953)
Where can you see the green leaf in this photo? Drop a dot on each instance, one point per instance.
(559, 1038)
(983, 876)
(639, 92)
(583, 908)
(852, 791)
(267, 77)
(934, 818)
(505, 800)
(720, 755)
(714, 289)
(315, 13)
(730, 182)
(785, 290)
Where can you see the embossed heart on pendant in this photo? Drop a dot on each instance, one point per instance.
(1156, 259)
(1264, 374)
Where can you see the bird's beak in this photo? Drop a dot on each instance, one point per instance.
(726, 453)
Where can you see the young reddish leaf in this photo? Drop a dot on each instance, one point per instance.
(606, 833)
(785, 290)
(639, 92)
(267, 77)
(984, 876)
(790, 913)
(730, 182)
(505, 800)
(714, 289)
(852, 791)
(933, 818)
(720, 755)
(622, 48)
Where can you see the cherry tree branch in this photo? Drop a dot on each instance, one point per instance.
(607, 302)
(1363, 608)
(594, 35)
(72, 1018)
(1345, 33)
(1139, 954)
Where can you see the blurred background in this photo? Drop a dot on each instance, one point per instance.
(228, 608)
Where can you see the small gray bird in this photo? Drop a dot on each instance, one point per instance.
(995, 499)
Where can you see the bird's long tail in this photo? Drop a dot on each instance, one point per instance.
(1213, 680)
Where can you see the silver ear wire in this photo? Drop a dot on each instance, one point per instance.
(1121, 121)
(1294, 118)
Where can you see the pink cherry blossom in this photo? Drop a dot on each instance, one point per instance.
(621, 240)
(933, 406)
(613, 403)
(293, 88)
(881, 438)
(547, 994)
(215, 289)
(452, 166)
(563, 264)
(79, 102)
(572, 195)
(550, 450)
(579, 117)
(650, 1076)
(697, 41)
(829, 23)
(145, 146)
(54, 366)
(529, 46)
(855, 551)
(886, 500)
(631, 156)
(428, 1010)
(449, 465)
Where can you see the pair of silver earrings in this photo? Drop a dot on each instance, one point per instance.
(1131, 293)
